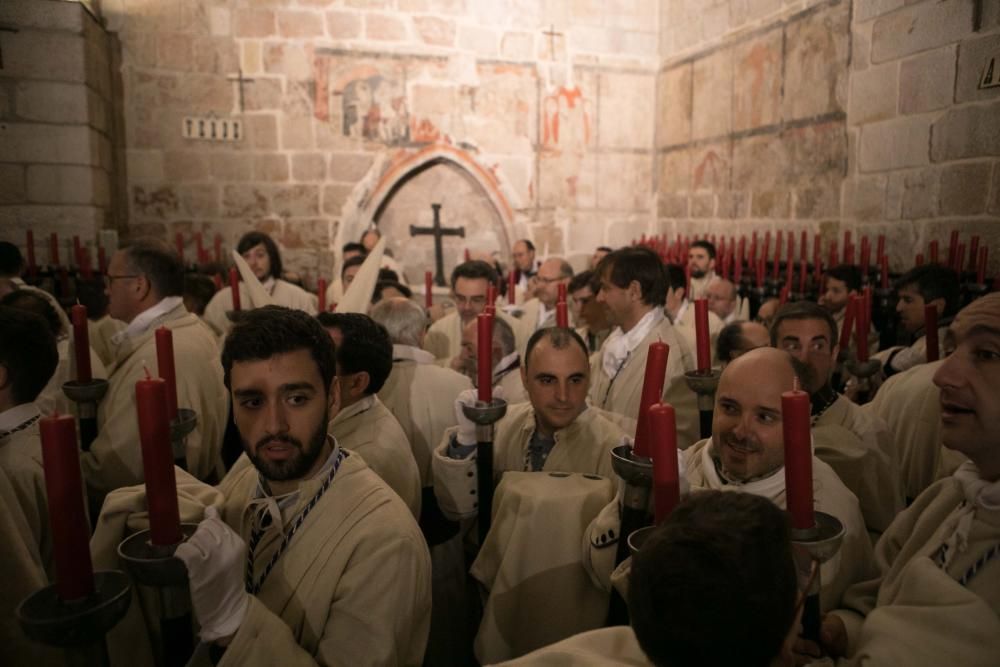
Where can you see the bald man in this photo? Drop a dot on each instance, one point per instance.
(936, 597)
(746, 454)
(723, 300)
(739, 338)
(505, 358)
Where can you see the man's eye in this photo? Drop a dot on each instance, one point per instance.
(766, 418)
(298, 399)
(986, 355)
(546, 380)
(730, 409)
(251, 403)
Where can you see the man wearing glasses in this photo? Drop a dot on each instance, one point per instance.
(540, 312)
(144, 284)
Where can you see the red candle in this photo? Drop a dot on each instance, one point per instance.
(803, 245)
(77, 254)
(753, 249)
(102, 260)
(217, 280)
(981, 267)
(803, 270)
(783, 295)
(959, 257)
(157, 461)
(652, 389)
(790, 253)
(738, 266)
(67, 518)
(760, 272)
(777, 258)
(321, 294)
(931, 329)
(861, 319)
(952, 247)
(561, 291)
(484, 356)
(849, 253)
(880, 248)
(200, 248)
(562, 315)
(701, 335)
(767, 245)
(54, 249)
(920, 259)
(491, 295)
(884, 265)
(795, 410)
(973, 253)
(934, 252)
(30, 251)
(666, 475)
(88, 271)
(166, 368)
(234, 288)
(81, 343)
(832, 258)
(179, 241)
(848, 325)
(218, 248)
(741, 254)
(866, 254)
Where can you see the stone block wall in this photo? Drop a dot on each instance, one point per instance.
(923, 127)
(560, 125)
(58, 168)
(751, 115)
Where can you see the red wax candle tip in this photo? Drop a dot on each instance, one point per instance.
(662, 425)
(81, 343)
(234, 287)
(795, 409)
(158, 462)
(652, 389)
(702, 334)
(166, 368)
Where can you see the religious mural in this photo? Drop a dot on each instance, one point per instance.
(565, 135)
(366, 103)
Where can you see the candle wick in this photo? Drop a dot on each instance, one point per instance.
(795, 383)
(146, 368)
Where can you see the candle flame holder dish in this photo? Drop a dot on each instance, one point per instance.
(86, 395)
(180, 428)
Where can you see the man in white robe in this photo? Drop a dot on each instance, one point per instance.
(261, 253)
(540, 312)
(680, 310)
(363, 424)
(590, 317)
(305, 556)
(936, 597)
(144, 284)
(723, 300)
(505, 358)
(525, 264)
(335, 291)
(632, 291)
(27, 358)
(469, 283)
(856, 444)
(701, 261)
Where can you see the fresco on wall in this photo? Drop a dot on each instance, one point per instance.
(565, 135)
(366, 103)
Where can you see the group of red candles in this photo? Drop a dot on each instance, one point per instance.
(156, 405)
(200, 252)
(81, 256)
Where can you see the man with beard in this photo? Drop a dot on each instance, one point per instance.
(364, 425)
(505, 358)
(261, 253)
(525, 266)
(936, 599)
(589, 315)
(701, 261)
(310, 558)
(855, 444)
(746, 454)
(632, 291)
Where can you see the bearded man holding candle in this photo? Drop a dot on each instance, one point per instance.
(936, 597)
(363, 424)
(633, 290)
(144, 286)
(856, 444)
(261, 253)
(533, 548)
(469, 283)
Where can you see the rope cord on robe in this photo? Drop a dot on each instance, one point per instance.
(253, 587)
(614, 377)
(19, 427)
(991, 553)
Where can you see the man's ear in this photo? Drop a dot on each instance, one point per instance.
(635, 290)
(333, 395)
(938, 303)
(360, 382)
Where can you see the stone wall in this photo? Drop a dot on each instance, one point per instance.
(924, 135)
(751, 115)
(560, 126)
(58, 167)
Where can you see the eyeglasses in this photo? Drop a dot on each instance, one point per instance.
(108, 279)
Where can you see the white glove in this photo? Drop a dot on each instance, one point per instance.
(466, 427)
(215, 557)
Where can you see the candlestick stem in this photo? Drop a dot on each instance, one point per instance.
(821, 542)
(86, 395)
(704, 384)
(180, 428)
(485, 415)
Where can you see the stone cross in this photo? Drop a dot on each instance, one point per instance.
(438, 232)
(552, 34)
(238, 80)
(5, 28)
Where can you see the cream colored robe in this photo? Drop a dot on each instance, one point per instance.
(368, 428)
(909, 403)
(353, 588)
(598, 338)
(284, 294)
(528, 323)
(582, 447)
(913, 612)
(539, 592)
(598, 648)
(622, 395)
(853, 563)
(115, 457)
(699, 286)
(52, 399)
(513, 387)
(21, 462)
(421, 395)
(101, 332)
(685, 326)
(444, 338)
(859, 448)
(23, 575)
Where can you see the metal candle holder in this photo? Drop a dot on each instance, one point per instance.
(156, 567)
(484, 415)
(704, 384)
(86, 395)
(864, 371)
(78, 626)
(637, 473)
(180, 428)
(821, 542)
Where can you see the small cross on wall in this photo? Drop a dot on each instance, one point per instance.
(238, 80)
(552, 34)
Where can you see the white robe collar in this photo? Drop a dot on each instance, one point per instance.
(142, 322)
(620, 344)
(410, 353)
(16, 416)
(771, 487)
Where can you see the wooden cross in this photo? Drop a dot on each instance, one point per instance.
(5, 28)
(552, 34)
(438, 232)
(238, 80)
